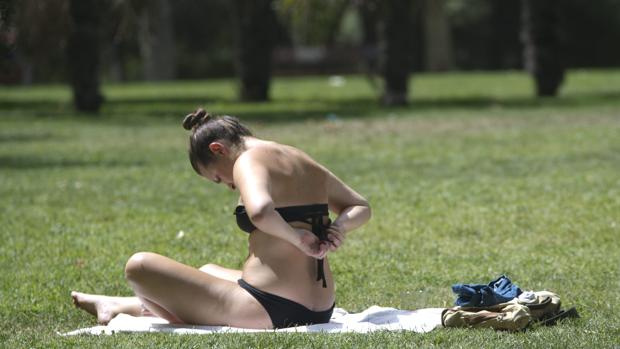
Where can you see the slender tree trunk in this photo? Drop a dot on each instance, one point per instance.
(369, 11)
(6, 13)
(255, 32)
(540, 33)
(83, 54)
(116, 62)
(438, 39)
(334, 24)
(156, 40)
(8, 72)
(370, 15)
(396, 52)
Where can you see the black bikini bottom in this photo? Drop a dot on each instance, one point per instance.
(284, 312)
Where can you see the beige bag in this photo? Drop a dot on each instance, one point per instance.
(514, 315)
(544, 304)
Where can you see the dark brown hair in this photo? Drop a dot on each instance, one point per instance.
(207, 128)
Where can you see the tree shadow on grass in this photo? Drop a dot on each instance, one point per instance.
(514, 167)
(300, 110)
(296, 109)
(38, 162)
(26, 137)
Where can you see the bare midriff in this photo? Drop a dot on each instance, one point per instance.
(278, 267)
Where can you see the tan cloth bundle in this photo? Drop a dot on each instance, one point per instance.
(514, 315)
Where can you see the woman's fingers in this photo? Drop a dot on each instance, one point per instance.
(323, 249)
(313, 247)
(335, 231)
(334, 241)
(334, 228)
(308, 243)
(334, 244)
(335, 237)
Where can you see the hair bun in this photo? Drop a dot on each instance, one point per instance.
(196, 118)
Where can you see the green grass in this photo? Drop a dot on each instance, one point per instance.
(474, 179)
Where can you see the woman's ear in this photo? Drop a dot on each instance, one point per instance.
(218, 148)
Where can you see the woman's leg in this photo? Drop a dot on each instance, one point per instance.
(105, 308)
(192, 296)
(221, 272)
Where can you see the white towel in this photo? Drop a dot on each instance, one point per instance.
(372, 319)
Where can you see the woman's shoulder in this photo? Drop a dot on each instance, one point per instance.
(270, 151)
(278, 159)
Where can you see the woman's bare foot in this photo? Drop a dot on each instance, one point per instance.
(105, 308)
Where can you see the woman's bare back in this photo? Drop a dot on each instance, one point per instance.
(275, 265)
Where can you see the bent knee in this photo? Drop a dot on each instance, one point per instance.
(208, 267)
(136, 265)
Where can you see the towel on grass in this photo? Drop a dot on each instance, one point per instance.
(372, 319)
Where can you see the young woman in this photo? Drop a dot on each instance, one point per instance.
(284, 201)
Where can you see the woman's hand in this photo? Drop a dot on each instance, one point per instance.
(309, 244)
(335, 237)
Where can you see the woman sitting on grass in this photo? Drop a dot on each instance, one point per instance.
(284, 201)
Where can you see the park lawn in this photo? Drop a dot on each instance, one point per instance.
(475, 179)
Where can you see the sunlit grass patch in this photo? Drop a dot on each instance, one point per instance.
(474, 179)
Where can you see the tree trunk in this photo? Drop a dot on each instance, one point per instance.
(334, 23)
(83, 54)
(156, 40)
(369, 16)
(255, 32)
(438, 39)
(6, 13)
(8, 71)
(396, 51)
(540, 33)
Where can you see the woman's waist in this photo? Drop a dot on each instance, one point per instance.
(297, 286)
(279, 257)
(268, 245)
(282, 269)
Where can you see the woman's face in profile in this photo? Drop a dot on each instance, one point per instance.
(219, 171)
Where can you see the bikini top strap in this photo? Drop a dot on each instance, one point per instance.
(319, 229)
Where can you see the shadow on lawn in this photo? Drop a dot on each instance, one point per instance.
(292, 110)
(26, 137)
(37, 162)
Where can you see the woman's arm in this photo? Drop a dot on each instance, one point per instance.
(252, 179)
(352, 210)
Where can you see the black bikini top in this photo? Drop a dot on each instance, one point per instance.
(311, 214)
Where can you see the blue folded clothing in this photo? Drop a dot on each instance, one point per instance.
(497, 291)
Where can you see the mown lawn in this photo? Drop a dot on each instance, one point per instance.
(476, 178)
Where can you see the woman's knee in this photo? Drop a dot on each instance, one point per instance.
(208, 268)
(138, 263)
(221, 272)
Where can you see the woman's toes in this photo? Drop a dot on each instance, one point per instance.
(85, 302)
(74, 298)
